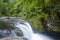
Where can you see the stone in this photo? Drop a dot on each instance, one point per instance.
(12, 38)
(7, 27)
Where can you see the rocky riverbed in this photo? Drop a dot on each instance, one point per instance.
(8, 31)
(12, 38)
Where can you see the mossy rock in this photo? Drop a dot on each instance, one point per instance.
(5, 25)
(7, 22)
(19, 32)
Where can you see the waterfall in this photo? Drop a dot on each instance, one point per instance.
(28, 32)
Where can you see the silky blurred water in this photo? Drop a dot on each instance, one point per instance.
(28, 32)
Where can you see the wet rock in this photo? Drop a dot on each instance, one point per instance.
(7, 27)
(4, 33)
(12, 38)
(25, 38)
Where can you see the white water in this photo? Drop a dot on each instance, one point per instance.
(28, 32)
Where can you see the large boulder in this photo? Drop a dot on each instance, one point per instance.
(7, 26)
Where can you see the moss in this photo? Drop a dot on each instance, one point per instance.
(5, 25)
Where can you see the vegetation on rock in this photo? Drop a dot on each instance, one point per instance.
(43, 14)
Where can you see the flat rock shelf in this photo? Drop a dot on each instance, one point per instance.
(12, 38)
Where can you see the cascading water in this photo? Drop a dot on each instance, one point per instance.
(28, 32)
(25, 27)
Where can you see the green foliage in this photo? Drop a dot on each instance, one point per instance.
(44, 14)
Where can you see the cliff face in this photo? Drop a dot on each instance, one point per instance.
(12, 38)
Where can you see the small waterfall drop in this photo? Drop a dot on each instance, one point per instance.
(28, 32)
